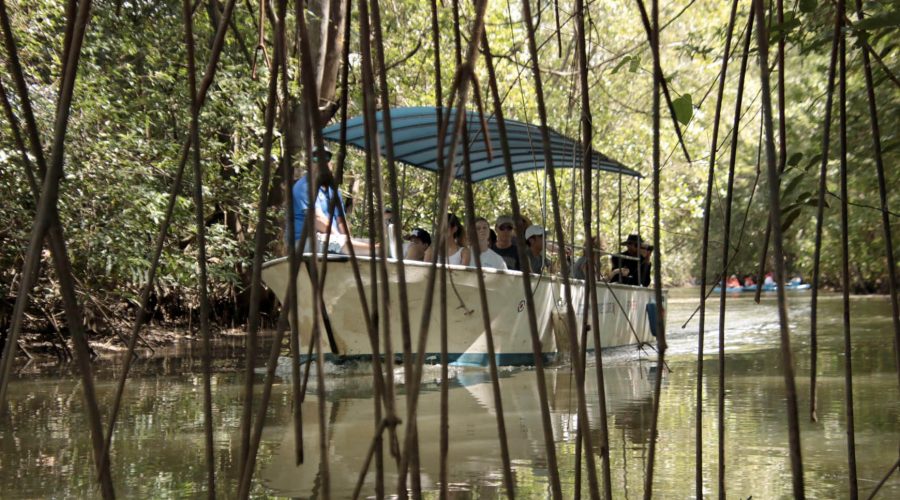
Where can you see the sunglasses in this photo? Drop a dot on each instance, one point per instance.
(506, 227)
(323, 157)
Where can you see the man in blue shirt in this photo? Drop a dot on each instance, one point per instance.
(323, 223)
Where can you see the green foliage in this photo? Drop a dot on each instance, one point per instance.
(130, 118)
(889, 19)
(807, 6)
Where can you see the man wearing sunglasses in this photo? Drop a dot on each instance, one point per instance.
(504, 245)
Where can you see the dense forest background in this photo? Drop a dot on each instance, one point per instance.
(131, 111)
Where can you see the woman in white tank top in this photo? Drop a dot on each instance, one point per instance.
(458, 253)
(489, 258)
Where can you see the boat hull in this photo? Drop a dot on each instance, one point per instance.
(466, 339)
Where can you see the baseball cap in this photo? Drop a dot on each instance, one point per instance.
(504, 219)
(533, 230)
(321, 151)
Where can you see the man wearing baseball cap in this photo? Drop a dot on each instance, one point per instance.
(323, 224)
(534, 238)
(505, 247)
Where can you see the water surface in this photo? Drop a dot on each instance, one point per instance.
(45, 448)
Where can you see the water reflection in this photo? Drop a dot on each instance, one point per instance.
(474, 456)
(158, 452)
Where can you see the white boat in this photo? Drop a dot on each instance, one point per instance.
(627, 313)
(624, 317)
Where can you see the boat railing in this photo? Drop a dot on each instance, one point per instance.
(552, 247)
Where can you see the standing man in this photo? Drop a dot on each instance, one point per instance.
(625, 265)
(323, 224)
(647, 264)
(504, 247)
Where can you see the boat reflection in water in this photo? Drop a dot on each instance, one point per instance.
(474, 460)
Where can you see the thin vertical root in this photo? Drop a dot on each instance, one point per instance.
(657, 276)
(820, 218)
(775, 209)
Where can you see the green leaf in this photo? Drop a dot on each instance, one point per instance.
(808, 6)
(890, 19)
(684, 109)
(890, 145)
(787, 209)
(622, 62)
(635, 64)
(789, 219)
(792, 185)
(815, 160)
(790, 22)
(795, 159)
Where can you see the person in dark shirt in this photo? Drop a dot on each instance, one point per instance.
(646, 252)
(579, 270)
(625, 265)
(534, 239)
(504, 245)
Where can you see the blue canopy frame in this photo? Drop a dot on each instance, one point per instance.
(415, 134)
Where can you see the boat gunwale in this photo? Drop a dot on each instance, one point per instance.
(454, 267)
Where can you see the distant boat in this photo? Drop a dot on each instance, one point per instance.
(793, 287)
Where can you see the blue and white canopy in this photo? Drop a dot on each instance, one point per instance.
(415, 134)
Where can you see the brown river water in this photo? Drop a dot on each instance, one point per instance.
(45, 449)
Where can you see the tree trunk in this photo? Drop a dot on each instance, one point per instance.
(326, 44)
(330, 59)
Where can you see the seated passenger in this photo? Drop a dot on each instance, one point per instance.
(733, 282)
(579, 270)
(534, 238)
(770, 280)
(489, 258)
(522, 224)
(646, 268)
(457, 253)
(419, 242)
(388, 220)
(748, 281)
(504, 247)
(625, 265)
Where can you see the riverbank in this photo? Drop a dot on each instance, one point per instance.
(109, 320)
